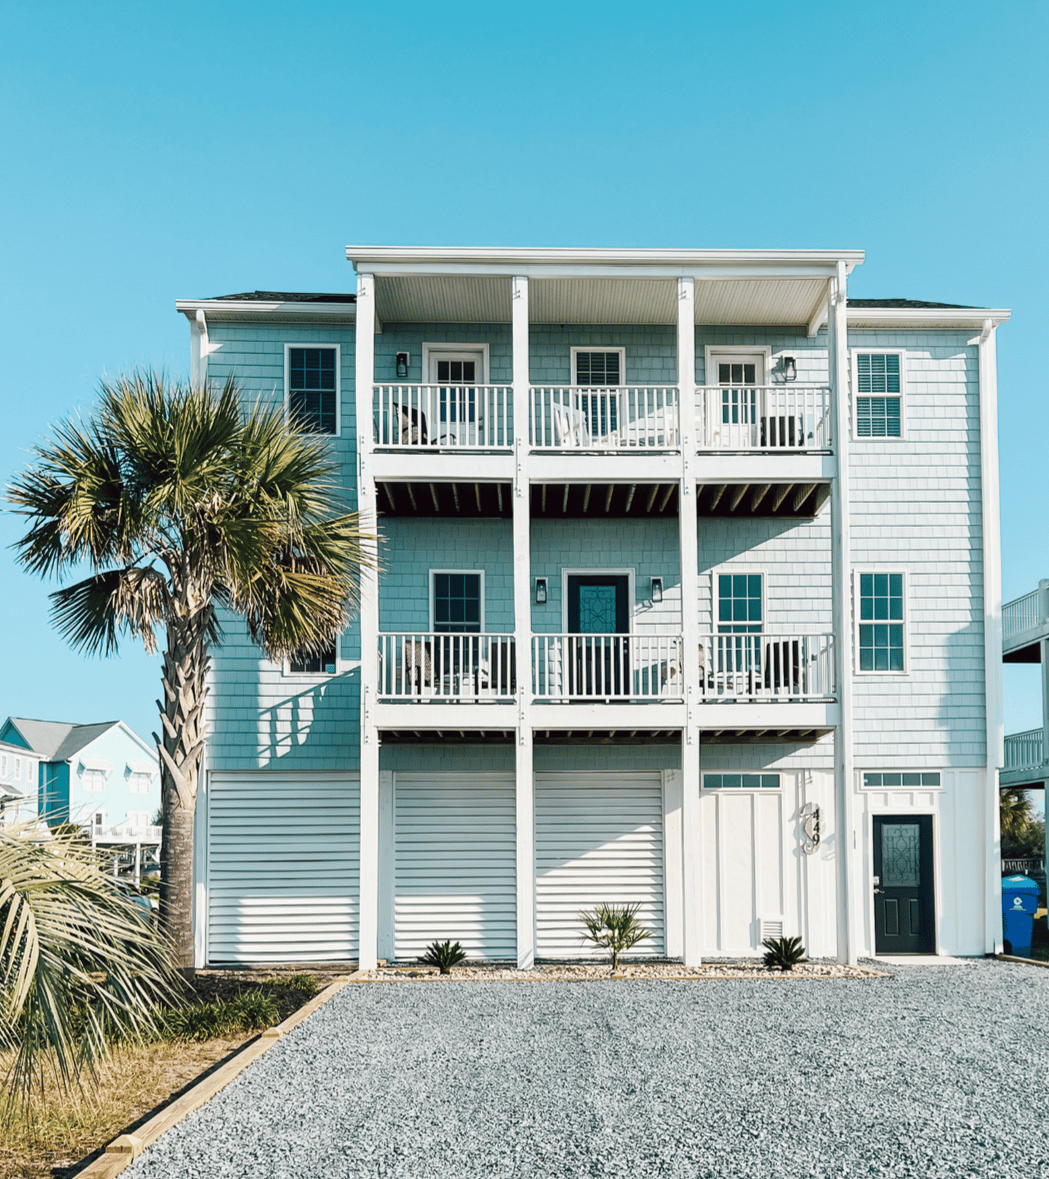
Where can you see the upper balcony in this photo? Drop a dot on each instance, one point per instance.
(1025, 622)
(626, 419)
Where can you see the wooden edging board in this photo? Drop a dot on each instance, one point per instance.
(1025, 961)
(128, 1146)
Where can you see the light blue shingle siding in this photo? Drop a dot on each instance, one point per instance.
(651, 351)
(916, 507)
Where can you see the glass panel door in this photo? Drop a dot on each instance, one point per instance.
(598, 614)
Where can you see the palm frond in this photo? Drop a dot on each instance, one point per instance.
(92, 613)
(78, 964)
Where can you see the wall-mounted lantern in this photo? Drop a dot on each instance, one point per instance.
(790, 368)
(540, 591)
(402, 365)
(657, 589)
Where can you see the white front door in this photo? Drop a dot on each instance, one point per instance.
(457, 408)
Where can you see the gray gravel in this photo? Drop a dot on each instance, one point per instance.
(935, 1071)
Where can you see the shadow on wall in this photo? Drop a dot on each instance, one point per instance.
(961, 715)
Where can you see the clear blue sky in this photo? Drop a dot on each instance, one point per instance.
(159, 151)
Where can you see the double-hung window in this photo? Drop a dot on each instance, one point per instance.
(878, 381)
(457, 603)
(740, 611)
(312, 389)
(881, 621)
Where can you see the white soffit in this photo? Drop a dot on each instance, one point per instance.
(602, 300)
(956, 318)
(442, 299)
(758, 300)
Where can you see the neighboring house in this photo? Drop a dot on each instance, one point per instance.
(18, 784)
(689, 598)
(102, 776)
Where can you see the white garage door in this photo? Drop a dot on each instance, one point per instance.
(455, 864)
(598, 839)
(283, 852)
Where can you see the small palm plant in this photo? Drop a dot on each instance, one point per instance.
(783, 953)
(615, 928)
(444, 955)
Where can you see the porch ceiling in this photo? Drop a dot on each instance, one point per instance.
(584, 299)
(761, 736)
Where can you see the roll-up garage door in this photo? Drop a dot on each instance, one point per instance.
(283, 867)
(598, 838)
(455, 863)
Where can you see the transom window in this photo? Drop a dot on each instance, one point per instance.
(881, 612)
(457, 603)
(323, 663)
(739, 603)
(312, 392)
(878, 395)
(894, 780)
(741, 781)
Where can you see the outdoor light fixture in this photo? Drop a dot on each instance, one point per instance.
(402, 365)
(657, 589)
(790, 368)
(540, 591)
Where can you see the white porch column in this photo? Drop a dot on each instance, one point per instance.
(849, 925)
(369, 621)
(1043, 589)
(689, 552)
(992, 633)
(524, 777)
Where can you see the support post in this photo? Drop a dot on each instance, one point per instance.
(688, 546)
(368, 924)
(524, 776)
(992, 634)
(841, 561)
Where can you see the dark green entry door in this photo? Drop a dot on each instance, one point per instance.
(904, 913)
(599, 622)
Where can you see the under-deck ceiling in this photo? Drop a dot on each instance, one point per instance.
(733, 736)
(738, 500)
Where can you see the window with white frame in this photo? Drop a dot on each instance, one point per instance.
(741, 781)
(93, 781)
(3, 765)
(878, 381)
(312, 389)
(599, 368)
(881, 622)
(18, 769)
(457, 601)
(138, 782)
(901, 780)
(740, 603)
(322, 663)
(138, 820)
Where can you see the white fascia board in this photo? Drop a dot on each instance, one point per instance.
(919, 317)
(218, 309)
(390, 260)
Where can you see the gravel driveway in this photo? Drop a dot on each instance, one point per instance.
(935, 1071)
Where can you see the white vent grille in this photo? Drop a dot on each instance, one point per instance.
(771, 927)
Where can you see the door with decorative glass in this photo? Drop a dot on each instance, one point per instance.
(456, 375)
(598, 625)
(904, 918)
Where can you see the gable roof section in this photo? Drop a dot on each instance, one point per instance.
(56, 740)
(10, 735)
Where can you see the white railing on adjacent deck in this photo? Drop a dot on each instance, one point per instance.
(452, 417)
(1024, 751)
(583, 418)
(766, 667)
(764, 417)
(126, 833)
(1024, 614)
(430, 666)
(606, 667)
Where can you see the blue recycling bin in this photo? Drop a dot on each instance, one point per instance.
(1019, 902)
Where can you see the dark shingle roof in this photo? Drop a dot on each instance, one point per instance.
(909, 303)
(283, 297)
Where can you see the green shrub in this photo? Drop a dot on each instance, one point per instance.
(783, 953)
(254, 1011)
(444, 956)
(295, 982)
(615, 928)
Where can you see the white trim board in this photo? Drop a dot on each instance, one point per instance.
(631, 590)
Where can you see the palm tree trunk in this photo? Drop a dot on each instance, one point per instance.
(181, 750)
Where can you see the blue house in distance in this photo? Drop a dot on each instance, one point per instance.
(689, 598)
(102, 776)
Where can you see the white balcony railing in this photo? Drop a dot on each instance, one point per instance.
(582, 418)
(451, 417)
(1024, 614)
(764, 417)
(430, 666)
(766, 667)
(606, 667)
(126, 833)
(1024, 751)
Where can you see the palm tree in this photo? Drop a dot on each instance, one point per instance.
(78, 963)
(1015, 812)
(182, 506)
